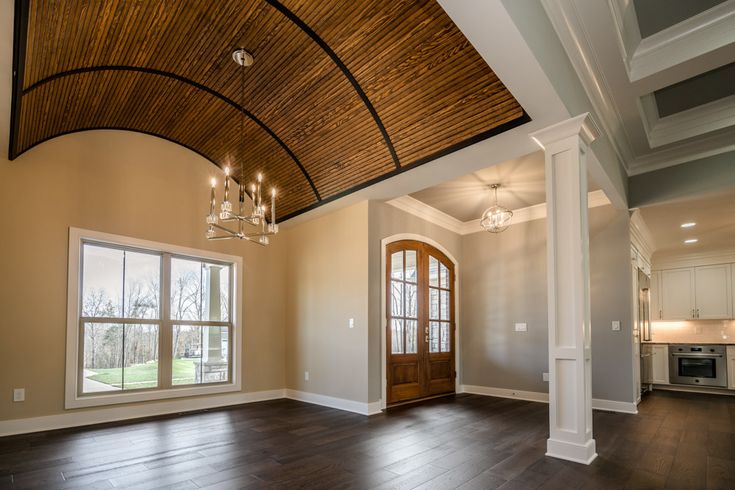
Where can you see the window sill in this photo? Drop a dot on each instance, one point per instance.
(98, 400)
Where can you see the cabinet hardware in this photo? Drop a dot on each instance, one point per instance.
(697, 312)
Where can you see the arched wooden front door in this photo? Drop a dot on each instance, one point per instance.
(420, 336)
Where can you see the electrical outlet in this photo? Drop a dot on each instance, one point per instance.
(521, 327)
(352, 323)
(545, 376)
(616, 325)
(306, 375)
(19, 395)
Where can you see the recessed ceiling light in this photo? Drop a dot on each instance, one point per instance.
(688, 225)
(691, 240)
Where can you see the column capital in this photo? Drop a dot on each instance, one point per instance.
(583, 126)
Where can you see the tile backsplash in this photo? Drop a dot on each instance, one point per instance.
(694, 332)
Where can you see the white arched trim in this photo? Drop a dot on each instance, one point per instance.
(383, 317)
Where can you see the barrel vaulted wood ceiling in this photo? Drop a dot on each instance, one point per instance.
(342, 93)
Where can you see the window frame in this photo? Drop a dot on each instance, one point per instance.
(165, 390)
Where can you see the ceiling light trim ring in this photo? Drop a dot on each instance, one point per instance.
(346, 71)
(197, 85)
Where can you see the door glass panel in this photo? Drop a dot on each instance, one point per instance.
(444, 344)
(433, 272)
(434, 336)
(444, 305)
(411, 300)
(444, 276)
(433, 304)
(396, 336)
(396, 267)
(411, 336)
(411, 265)
(396, 298)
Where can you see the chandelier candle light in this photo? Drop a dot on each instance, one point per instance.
(496, 218)
(258, 211)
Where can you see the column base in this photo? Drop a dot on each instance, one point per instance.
(579, 453)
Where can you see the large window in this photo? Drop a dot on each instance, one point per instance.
(150, 321)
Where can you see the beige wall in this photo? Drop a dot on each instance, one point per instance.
(327, 284)
(122, 183)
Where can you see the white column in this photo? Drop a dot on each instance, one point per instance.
(570, 389)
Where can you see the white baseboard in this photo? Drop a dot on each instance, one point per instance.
(78, 418)
(362, 408)
(696, 389)
(531, 396)
(536, 396)
(578, 453)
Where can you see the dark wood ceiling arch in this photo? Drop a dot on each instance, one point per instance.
(194, 84)
(352, 92)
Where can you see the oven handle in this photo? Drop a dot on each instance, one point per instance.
(676, 354)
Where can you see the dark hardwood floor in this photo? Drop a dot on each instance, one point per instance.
(677, 441)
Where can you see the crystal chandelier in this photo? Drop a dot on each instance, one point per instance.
(496, 218)
(257, 215)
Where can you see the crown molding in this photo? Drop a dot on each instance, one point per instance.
(641, 235)
(569, 28)
(706, 118)
(707, 31)
(693, 259)
(432, 215)
(428, 213)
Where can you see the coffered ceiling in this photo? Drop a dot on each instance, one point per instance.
(341, 94)
(658, 73)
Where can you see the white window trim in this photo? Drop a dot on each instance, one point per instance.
(72, 397)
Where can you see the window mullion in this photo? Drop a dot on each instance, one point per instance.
(165, 340)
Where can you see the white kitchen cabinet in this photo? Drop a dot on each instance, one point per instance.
(660, 364)
(731, 367)
(677, 294)
(713, 300)
(655, 290)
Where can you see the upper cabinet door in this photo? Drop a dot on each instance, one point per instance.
(712, 292)
(677, 294)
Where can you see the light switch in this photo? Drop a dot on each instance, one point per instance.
(306, 375)
(352, 323)
(545, 376)
(616, 325)
(19, 395)
(521, 327)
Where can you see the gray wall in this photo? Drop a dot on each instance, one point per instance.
(385, 220)
(504, 281)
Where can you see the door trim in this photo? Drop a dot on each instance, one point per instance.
(383, 318)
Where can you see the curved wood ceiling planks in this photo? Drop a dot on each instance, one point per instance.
(341, 94)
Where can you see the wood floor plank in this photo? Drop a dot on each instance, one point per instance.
(678, 440)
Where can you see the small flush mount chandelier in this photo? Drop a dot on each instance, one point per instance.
(496, 218)
(257, 216)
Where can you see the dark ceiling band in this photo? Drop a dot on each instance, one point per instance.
(337, 61)
(199, 86)
(20, 35)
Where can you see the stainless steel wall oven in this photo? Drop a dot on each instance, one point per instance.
(703, 365)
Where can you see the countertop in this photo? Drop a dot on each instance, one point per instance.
(687, 343)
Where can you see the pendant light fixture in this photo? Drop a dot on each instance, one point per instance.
(496, 218)
(257, 215)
